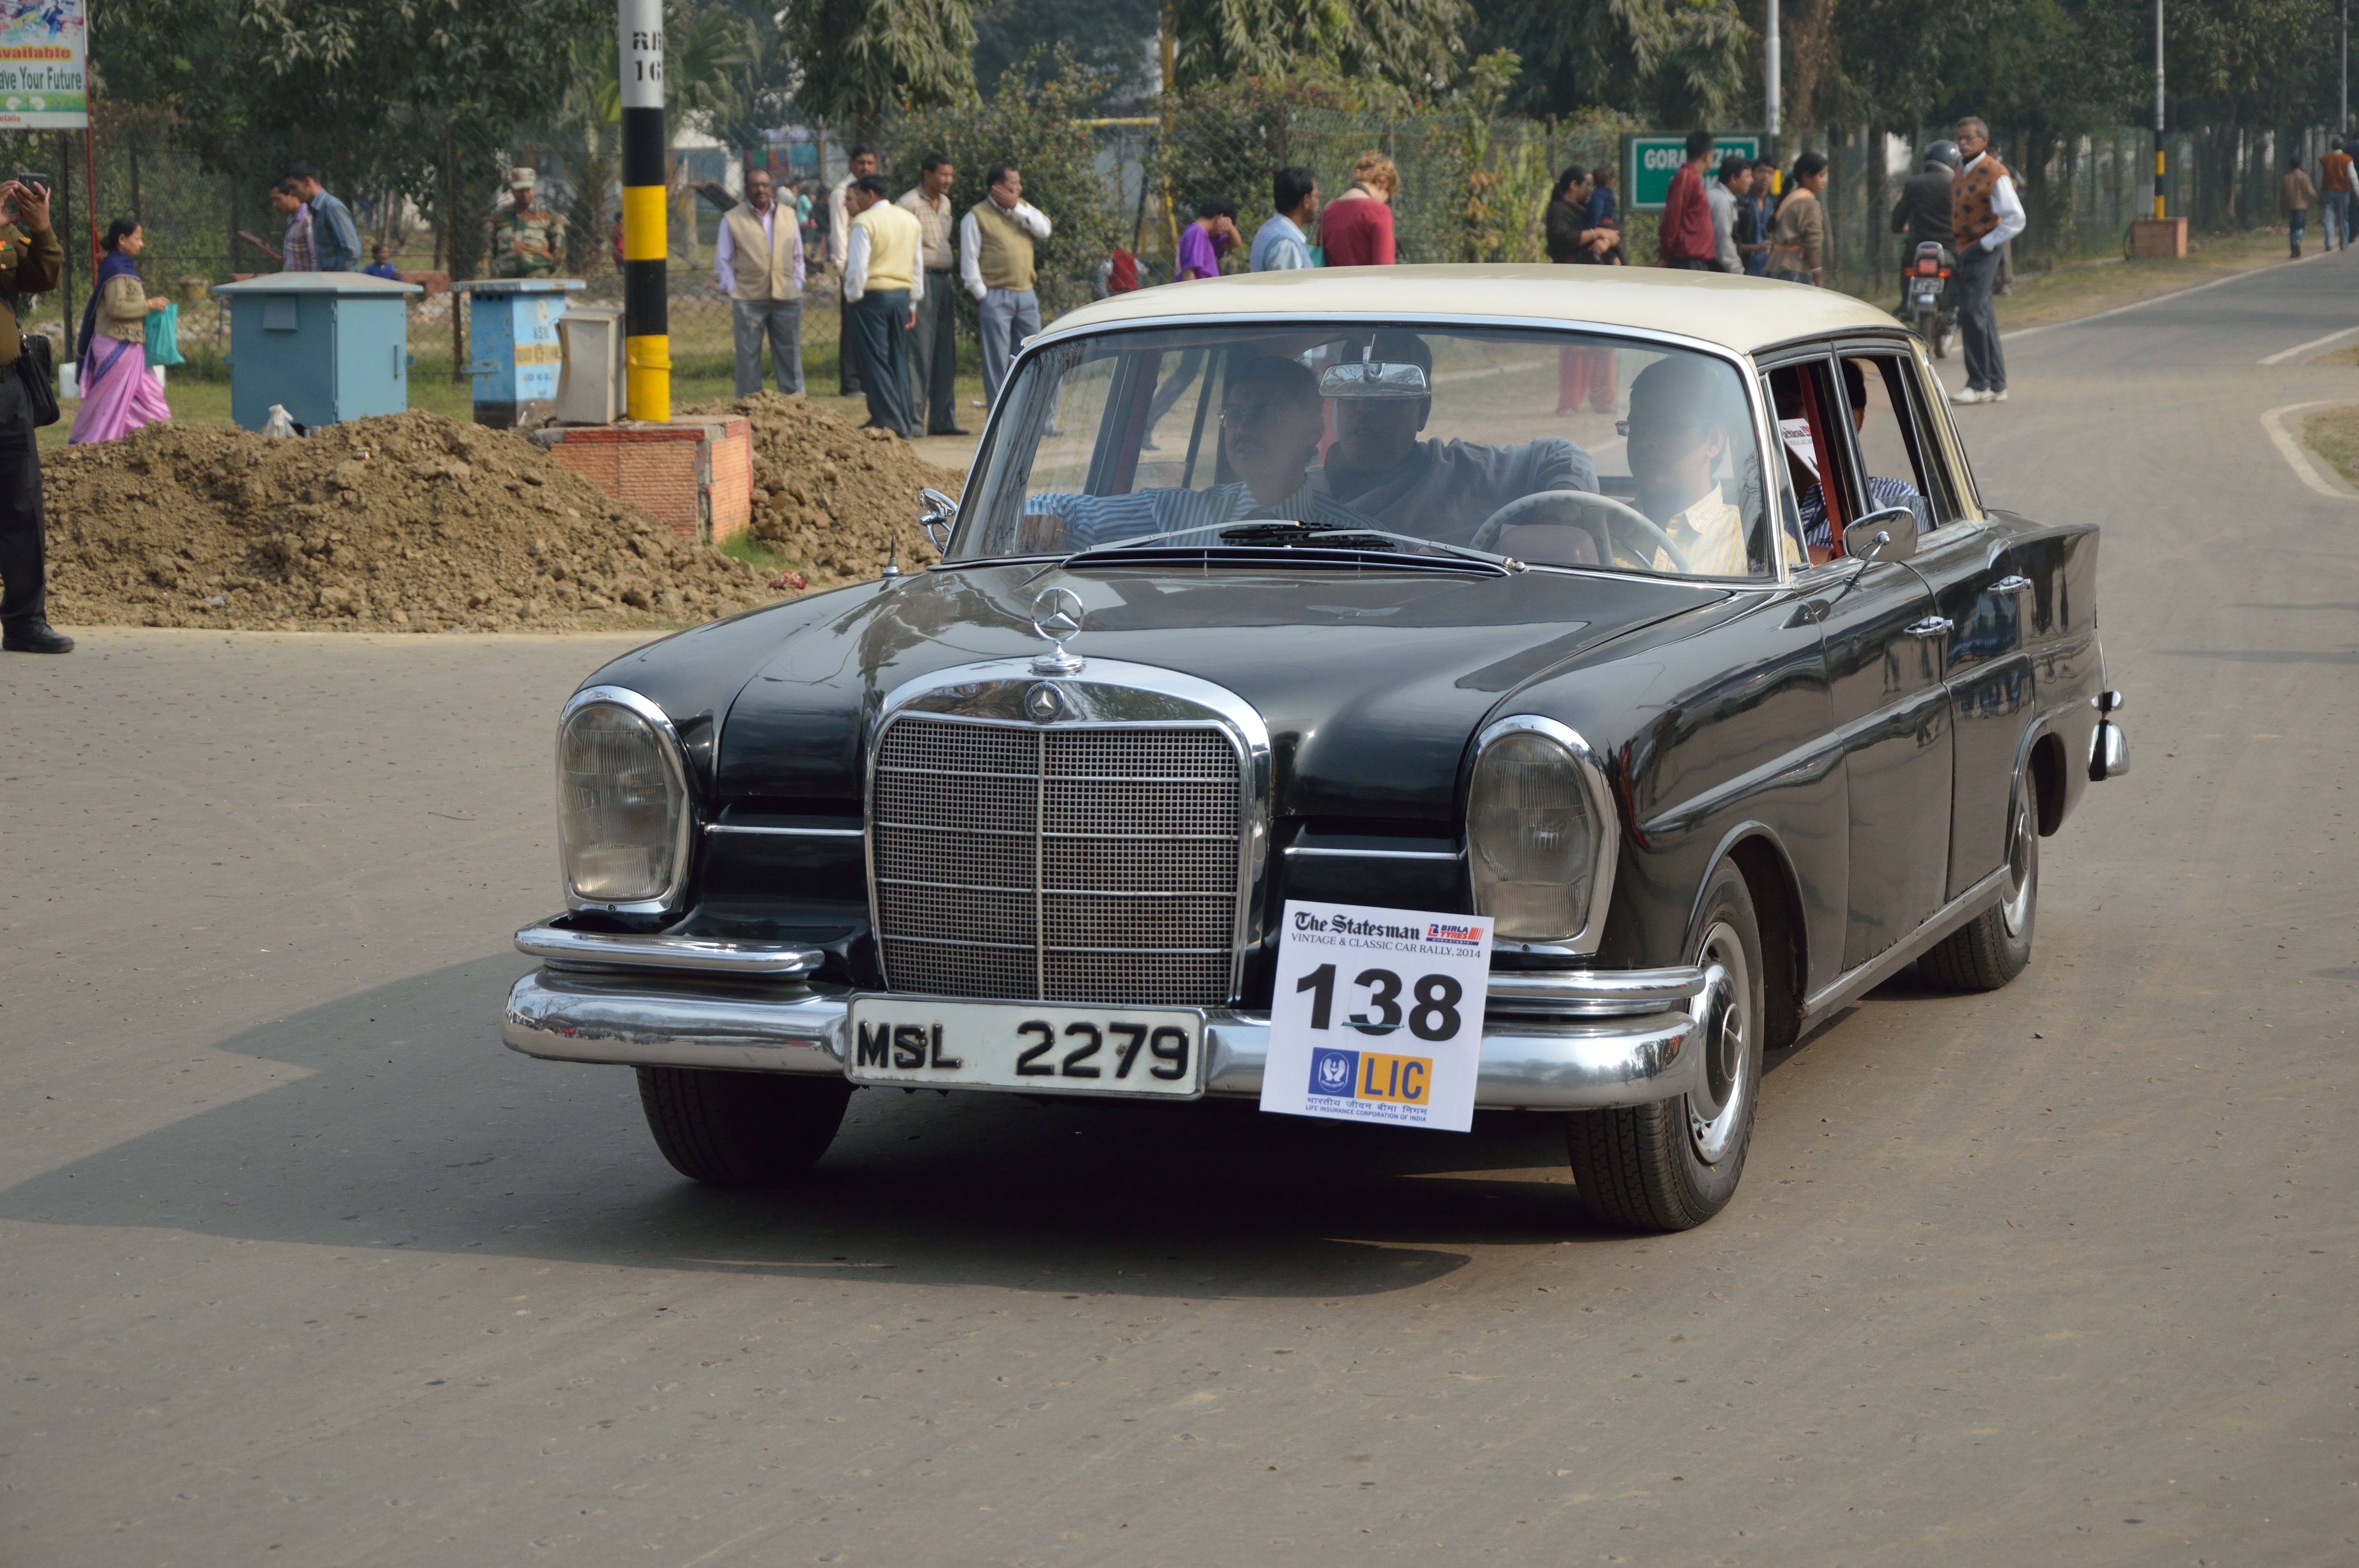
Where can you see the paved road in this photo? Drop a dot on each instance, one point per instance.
(298, 1266)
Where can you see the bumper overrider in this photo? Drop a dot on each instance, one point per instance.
(1557, 1040)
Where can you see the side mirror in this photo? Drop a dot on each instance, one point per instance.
(1886, 536)
(936, 517)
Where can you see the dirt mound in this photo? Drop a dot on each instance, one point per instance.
(830, 496)
(412, 521)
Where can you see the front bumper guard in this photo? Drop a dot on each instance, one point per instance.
(1565, 1041)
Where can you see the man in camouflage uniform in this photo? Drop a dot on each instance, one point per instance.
(527, 239)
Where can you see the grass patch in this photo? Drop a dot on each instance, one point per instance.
(745, 547)
(2333, 433)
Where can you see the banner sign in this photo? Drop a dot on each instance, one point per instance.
(43, 65)
(1650, 160)
(1377, 1015)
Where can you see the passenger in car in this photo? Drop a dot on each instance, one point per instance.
(1272, 420)
(1436, 490)
(1882, 493)
(1680, 431)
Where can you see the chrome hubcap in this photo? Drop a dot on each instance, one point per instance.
(2017, 907)
(1717, 1107)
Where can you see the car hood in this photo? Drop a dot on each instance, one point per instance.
(1371, 684)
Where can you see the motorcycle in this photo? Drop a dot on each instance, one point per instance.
(1928, 297)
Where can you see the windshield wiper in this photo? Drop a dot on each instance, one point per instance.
(1277, 532)
(1333, 541)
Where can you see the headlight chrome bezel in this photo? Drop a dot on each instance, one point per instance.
(1605, 826)
(675, 760)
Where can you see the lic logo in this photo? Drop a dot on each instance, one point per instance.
(1332, 1072)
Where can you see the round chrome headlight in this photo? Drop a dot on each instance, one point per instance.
(1534, 834)
(621, 801)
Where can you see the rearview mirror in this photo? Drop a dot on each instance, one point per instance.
(1886, 536)
(938, 515)
(1373, 378)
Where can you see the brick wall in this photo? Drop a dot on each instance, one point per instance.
(695, 476)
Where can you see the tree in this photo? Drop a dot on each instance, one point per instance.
(1418, 44)
(855, 59)
(1115, 40)
(1678, 62)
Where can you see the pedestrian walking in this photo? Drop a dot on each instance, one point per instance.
(335, 243)
(2336, 193)
(31, 260)
(1727, 197)
(757, 260)
(2294, 193)
(1584, 373)
(884, 287)
(118, 395)
(1357, 227)
(1985, 214)
(933, 360)
(527, 239)
(995, 263)
(1283, 242)
(1759, 217)
(294, 253)
(1205, 241)
(1798, 241)
(1685, 240)
(862, 163)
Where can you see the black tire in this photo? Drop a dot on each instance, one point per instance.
(741, 1129)
(1996, 946)
(1667, 1166)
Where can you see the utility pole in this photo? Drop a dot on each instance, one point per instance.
(1770, 71)
(2342, 106)
(2157, 107)
(646, 314)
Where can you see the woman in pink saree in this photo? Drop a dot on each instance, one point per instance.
(118, 395)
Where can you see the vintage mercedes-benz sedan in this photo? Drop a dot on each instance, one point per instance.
(1649, 622)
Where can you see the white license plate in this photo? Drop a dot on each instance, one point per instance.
(1155, 1053)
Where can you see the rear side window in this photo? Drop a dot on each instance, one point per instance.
(1896, 451)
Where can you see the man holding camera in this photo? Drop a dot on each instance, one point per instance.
(31, 262)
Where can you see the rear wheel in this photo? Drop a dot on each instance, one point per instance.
(740, 1129)
(1675, 1163)
(1996, 946)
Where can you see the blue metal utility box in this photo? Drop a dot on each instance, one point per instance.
(518, 356)
(328, 346)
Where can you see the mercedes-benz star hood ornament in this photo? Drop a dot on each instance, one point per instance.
(1056, 615)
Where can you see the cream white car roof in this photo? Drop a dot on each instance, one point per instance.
(1739, 313)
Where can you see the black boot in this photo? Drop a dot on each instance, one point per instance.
(35, 635)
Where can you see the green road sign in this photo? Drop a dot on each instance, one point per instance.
(1649, 161)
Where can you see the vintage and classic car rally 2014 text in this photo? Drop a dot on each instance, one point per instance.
(1618, 673)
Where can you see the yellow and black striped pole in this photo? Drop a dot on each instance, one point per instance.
(647, 317)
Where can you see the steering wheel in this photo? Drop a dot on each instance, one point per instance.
(1607, 510)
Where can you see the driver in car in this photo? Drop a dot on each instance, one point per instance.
(1441, 490)
(1679, 434)
(1272, 419)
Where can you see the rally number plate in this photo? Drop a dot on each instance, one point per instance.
(1149, 1052)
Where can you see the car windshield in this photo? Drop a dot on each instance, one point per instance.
(1557, 447)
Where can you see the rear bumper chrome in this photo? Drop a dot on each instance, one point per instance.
(1628, 1039)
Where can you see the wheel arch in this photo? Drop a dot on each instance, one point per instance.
(2043, 761)
(1761, 857)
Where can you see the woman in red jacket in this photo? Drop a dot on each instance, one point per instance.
(1357, 227)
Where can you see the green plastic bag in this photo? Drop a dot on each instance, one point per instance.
(164, 337)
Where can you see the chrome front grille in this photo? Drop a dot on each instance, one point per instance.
(1094, 863)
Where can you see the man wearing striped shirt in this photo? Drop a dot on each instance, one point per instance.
(1272, 420)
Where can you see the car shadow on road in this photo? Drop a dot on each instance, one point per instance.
(393, 1118)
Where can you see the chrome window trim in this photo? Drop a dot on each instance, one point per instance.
(675, 760)
(1743, 364)
(1584, 942)
(952, 694)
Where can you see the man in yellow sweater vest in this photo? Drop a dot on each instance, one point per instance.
(883, 286)
(994, 250)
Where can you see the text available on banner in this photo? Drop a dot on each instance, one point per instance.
(44, 66)
(1378, 1015)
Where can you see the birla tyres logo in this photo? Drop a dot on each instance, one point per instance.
(1455, 935)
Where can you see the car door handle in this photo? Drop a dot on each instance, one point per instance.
(2010, 585)
(1931, 626)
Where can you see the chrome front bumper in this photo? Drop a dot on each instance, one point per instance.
(1558, 1042)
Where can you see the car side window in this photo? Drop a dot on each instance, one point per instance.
(1894, 455)
(1816, 452)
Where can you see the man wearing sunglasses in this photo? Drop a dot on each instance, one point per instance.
(1679, 434)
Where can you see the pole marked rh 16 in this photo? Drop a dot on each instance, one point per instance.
(646, 319)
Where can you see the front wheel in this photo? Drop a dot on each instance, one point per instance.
(740, 1129)
(1675, 1163)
